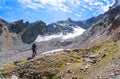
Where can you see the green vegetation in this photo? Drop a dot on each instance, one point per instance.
(110, 49)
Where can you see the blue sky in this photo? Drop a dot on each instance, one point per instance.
(51, 11)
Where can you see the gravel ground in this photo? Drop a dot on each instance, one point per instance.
(13, 55)
(110, 71)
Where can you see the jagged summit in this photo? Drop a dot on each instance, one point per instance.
(69, 20)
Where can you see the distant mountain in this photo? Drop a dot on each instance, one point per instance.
(28, 32)
(68, 25)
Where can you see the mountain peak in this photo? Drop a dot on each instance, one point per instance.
(69, 20)
(117, 2)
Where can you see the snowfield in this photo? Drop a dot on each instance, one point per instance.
(77, 32)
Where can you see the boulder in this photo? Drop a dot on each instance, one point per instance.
(76, 50)
(69, 71)
(14, 77)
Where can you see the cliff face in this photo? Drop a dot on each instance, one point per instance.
(26, 31)
(31, 33)
(5, 38)
(18, 26)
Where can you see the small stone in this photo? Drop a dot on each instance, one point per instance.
(112, 74)
(67, 50)
(74, 77)
(92, 56)
(14, 77)
(68, 64)
(82, 70)
(99, 77)
(1, 68)
(29, 58)
(16, 62)
(76, 50)
(87, 66)
(104, 55)
(69, 71)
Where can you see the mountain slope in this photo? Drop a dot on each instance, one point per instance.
(5, 38)
(105, 29)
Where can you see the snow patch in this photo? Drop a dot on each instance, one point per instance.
(47, 38)
(52, 51)
(77, 32)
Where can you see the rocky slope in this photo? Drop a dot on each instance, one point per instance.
(105, 29)
(93, 63)
(5, 38)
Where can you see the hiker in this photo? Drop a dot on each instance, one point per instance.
(33, 48)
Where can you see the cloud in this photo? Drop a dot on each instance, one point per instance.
(79, 15)
(54, 4)
(6, 7)
(69, 6)
(30, 4)
(100, 6)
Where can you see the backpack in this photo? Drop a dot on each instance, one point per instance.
(33, 46)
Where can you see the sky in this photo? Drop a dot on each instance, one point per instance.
(51, 11)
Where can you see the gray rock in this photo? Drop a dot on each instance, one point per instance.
(117, 77)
